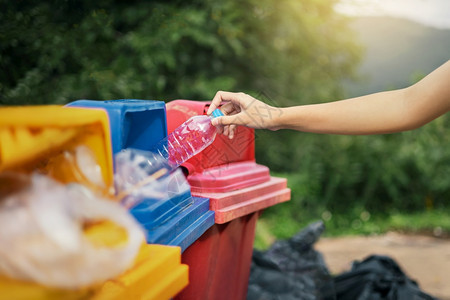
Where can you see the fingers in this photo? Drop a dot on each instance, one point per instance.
(227, 130)
(235, 104)
(214, 103)
(225, 120)
(231, 131)
(229, 109)
(220, 129)
(224, 96)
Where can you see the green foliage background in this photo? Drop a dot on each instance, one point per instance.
(284, 52)
(55, 52)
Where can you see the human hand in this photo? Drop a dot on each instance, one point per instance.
(241, 109)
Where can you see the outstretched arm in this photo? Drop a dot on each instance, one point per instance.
(384, 112)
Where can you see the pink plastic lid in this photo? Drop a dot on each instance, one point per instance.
(234, 204)
(229, 177)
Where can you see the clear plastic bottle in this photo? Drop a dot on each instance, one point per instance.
(188, 139)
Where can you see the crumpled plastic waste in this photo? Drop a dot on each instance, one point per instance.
(42, 236)
(141, 175)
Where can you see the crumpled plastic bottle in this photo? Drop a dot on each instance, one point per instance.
(143, 175)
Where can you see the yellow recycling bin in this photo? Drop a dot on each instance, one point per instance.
(49, 139)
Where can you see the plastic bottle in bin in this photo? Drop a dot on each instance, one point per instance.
(188, 139)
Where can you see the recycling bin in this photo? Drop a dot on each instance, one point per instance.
(138, 124)
(46, 139)
(220, 260)
(239, 190)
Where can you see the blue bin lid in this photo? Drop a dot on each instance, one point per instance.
(186, 227)
(134, 123)
(153, 212)
(178, 221)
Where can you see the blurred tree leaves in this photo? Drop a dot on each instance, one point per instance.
(60, 51)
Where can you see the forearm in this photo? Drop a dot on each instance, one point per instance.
(384, 112)
(369, 114)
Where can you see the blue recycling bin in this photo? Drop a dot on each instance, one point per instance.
(138, 124)
(178, 220)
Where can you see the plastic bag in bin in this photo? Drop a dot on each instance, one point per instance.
(141, 175)
(43, 233)
(77, 165)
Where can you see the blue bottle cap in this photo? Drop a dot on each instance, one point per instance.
(217, 113)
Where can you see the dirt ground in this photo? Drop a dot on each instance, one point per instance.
(424, 259)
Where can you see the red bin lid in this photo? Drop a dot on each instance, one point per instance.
(229, 177)
(238, 189)
(231, 205)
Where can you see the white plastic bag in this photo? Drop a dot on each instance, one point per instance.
(41, 234)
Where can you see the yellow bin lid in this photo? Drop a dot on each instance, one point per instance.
(35, 137)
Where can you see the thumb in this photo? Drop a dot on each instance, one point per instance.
(224, 120)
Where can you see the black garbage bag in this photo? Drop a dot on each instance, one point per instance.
(290, 269)
(376, 277)
(268, 282)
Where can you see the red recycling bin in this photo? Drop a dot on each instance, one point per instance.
(238, 189)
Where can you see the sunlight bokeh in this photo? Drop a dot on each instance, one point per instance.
(435, 13)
